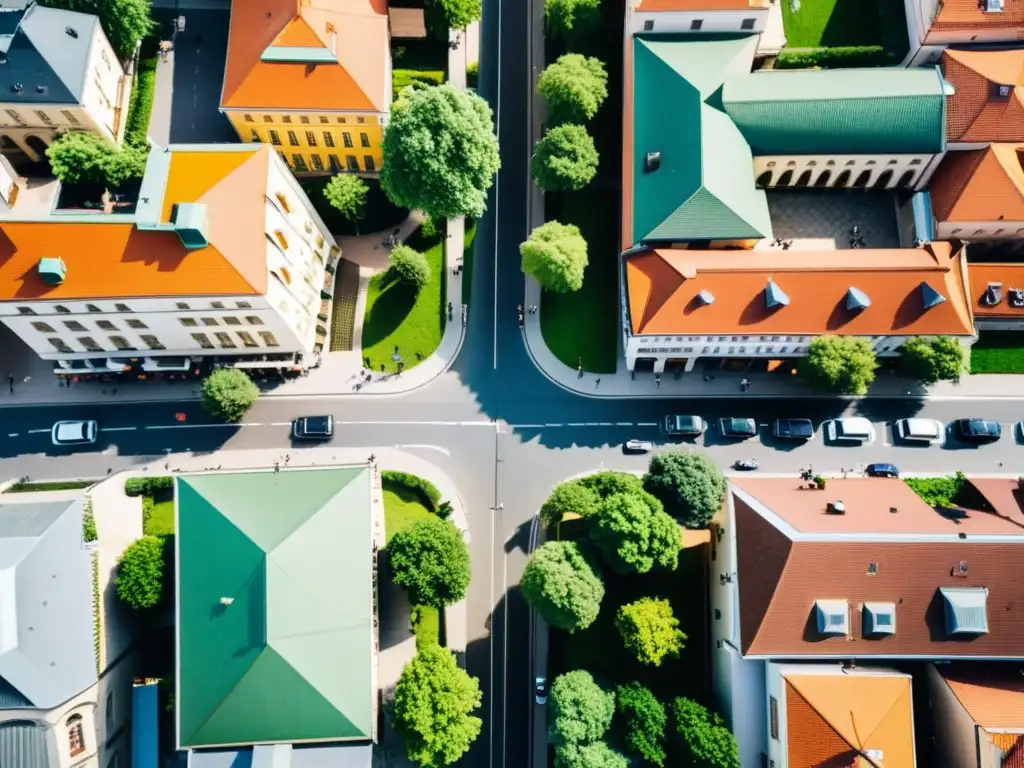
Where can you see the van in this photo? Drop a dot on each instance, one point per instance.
(920, 430)
(854, 429)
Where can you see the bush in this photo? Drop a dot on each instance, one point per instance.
(89, 532)
(579, 710)
(426, 625)
(609, 482)
(597, 754)
(429, 229)
(148, 486)
(228, 394)
(565, 159)
(574, 88)
(571, 497)
(689, 484)
(140, 573)
(644, 722)
(555, 255)
(838, 57)
(431, 561)
(938, 491)
(634, 534)
(702, 737)
(649, 630)
(563, 586)
(425, 489)
(136, 132)
(842, 364)
(409, 266)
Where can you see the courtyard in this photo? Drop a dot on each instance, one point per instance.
(826, 218)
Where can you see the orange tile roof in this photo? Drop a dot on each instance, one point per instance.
(833, 719)
(698, 5)
(980, 185)
(113, 259)
(973, 115)
(1010, 276)
(663, 287)
(355, 31)
(965, 15)
(992, 693)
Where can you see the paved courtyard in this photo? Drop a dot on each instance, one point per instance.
(832, 213)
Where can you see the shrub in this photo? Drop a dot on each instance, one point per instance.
(644, 721)
(689, 484)
(702, 737)
(597, 754)
(555, 255)
(89, 532)
(409, 266)
(426, 625)
(563, 586)
(444, 510)
(228, 393)
(472, 73)
(843, 364)
(136, 133)
(574, 88)
(431, 561)
(148, 486)
(579, 710)
(938, 491)
(565, 159)
(609, 482)
(429, 229)
(571, 497)
(140, 573)
(425, 489)
(634, 534)
(838, 57)
(649, 630)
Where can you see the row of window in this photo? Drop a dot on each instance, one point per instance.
(351, 162)
(758, 350)
(697, 24)
(665, 339)
(311, 139)
(42, 115)
(60, 309)
(193, 322)
(812, 163)
(224, 341)
(77, 327)
(883, 181)
(304, 119)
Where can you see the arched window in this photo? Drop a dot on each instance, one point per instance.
(6, 142)
(764, 180)
(842, 179)
(76, 735)
(36, 144)
(884, 179)
(822, 181)
(785, 179)
(862, 179)
(804, 180)
(906, 180)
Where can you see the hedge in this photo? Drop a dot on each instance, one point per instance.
(57, 485)
(147, 486)
(426, 625)
(425, 489)
(838, 57)
(403, 78)
(938, 491)
(140, 106)
(89, 532)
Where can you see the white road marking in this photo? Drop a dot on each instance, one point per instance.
(526, 426)
(37, 431)
(280, 423)
(552, 425)
(604, 424)
(12, 434)
(425, 447)
(624, 423)
(118, 429)
(252, 424)
(647, 423)
(577, 424)
(420, 423)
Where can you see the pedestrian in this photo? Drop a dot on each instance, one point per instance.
(597, 383)
(744, 384)
(657, 380)
(579, 372)
(533, 309)
(10, 383)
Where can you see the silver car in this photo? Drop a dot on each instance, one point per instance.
(74, 432)
(639, 446)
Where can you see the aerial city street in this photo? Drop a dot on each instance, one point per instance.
(573, 383)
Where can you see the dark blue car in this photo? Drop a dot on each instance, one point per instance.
(882, 470)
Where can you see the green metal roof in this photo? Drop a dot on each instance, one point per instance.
(704, 186)
(275, 607)
(887, 110)
(298, 54)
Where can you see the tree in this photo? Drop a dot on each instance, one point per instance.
(434, 702)
(140, 573)
(565, 159)
(556, 255)
(649, 630)
(688, 484)
(609, 482)
(579, 710)
(431, 561)
(347, 194)
(843, 364)
(569, 498)
(572, 19)
(562, 585)
(574, 87)
(644, 722)
(594, 755)
(409, 266)
(79, 157)
(702, 736)
(129, 164)
(633, 533)
(442, 15)
(440, 152)
(228, 393)
(125, 22)
(932, 360)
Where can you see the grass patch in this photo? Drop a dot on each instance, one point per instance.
(831, 23)
(24, 486)
(398, 316)
(946, 491)
(467, 262)
(998, 352)
(402, 508)
(426, 625)
(584, 324)
(158, 519)
(140, 107)
(381, 213)
(403, 78)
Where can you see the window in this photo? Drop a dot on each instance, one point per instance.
(281, 239)
(324, 119)
(74, 325)
(59, 344)
(202, 340)
(649, 25)
(915, 162)
(341, 120)
(773, 713)
(225, 341)
(243, 304)
(92, 308)
(353, 164)
(696, 24)
(293, 139)
(44, 117)
(247, 339)
(217, 304)
(181, 305)
(13, 114)
(43, 327)
(286, 118)
(360, 120)
(275, 137)
(304, 119)
(188, 322)
(231, 321)
(346, 137)
(318, 164)
(122, 308)
(136, 324)
(299, 162)
(254, 136)
(747, 23)
(268, 119)
(368, 162)
(121, 342)
(210, 321)
(151, 341)
(26, 311)
(328, 139)
(105, 325)
(284, 202)
(335, 163)
(90, 344)
(253, 320)
(311, 138)
(247, 118)
(76, 735)
(268, 338)
(62, 310)
(364, 140)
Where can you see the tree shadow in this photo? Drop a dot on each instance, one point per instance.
(388, 311)
(852, 22)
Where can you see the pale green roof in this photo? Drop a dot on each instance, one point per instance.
(287, 656)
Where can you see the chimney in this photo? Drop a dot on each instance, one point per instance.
(225, 601)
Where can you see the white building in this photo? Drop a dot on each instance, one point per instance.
(222, 262)
(670, 17)
(935, 24)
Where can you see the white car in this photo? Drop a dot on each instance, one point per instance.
(854, 430)
(74, 432)
(638, 446)
(920, 430)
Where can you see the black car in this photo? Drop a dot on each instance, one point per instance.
(313, 428)
(737, 428)
(977, 430)
(882, 470)
(793, 429)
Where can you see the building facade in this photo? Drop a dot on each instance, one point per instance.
(934, 24)
(672, 17)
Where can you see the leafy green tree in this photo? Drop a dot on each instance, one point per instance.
(129, 164)
(571, 497)
(347, 194)
(842, 364)
(442, 15)
(140, 573)
(440, 152)
(574, 87)
(565, 159)
(633, 533)
(228, 393)
(125, 22)
(572, 19)
(644, 721)
(579, 710)
(703, 739)
(80, 157)
(594, 755)
(409, 266)
(609, 482)
(556, 255)
(649, 630)
(932, 360)
(689, 484)
(433, 710)
(431, 561)
(561, 584)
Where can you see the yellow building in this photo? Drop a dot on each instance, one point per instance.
(313, 79)
(59, 73)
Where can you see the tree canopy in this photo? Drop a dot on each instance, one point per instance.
(561, 584)
(442, 15)
(409, 266)
(228, 394)
(569, 497)
(702, 736)
(565, 159)
(688, 484)
(140, 573)
(609, 482)
(572, 19)
(644, 721)
(431, 561)
(579, 710)
(83, 158)
(347, 195)
(556, 255)
(649, 630)
(440, 152)
(633, 533)
(574, 87)
(932, 360)
(433, 710)
(843, 364)
(125, 22)
(597, 754)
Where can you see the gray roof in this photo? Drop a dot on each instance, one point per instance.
(285, 756)
(23, 744)
(46, 622)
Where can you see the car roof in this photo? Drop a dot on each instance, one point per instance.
(883, 466)
(71, 430)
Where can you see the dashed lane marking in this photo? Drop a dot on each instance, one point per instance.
(188, 426)
(624, 423)
(12, 434)
(37, 431)
(118, 429)
(647, 423)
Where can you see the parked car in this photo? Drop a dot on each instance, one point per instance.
(854, 429)
(977, 430)
(793, 429)
(739, 429)
(920, 430)
(74, 432)
(313, 428)
(882, 470)
(683, 426)
(540, 690)
(638, 446)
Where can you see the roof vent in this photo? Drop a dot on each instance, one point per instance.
(1000, 92)
(961, 568)
(190, 223)
(993, 294)
(994, 6)
(856, 299)
(706, 297)
(879, 618)
(774, 296)
(1016, 297)
(227, 600)
(893, 510)
(52, 270)
(836, 507)
(652, 162)
(832, 616)
(965, 610)
(930, 296)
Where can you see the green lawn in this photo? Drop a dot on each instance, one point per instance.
(381, 214)
(160, 521)
(467, 262)
(396, 315)
(402, 509)
(828, 23)
(998, 352)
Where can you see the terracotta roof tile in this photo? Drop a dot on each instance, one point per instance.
(980, 185)
(663, 286)
(355, 31)
(1008, 275)
(1002, 496)
(1014, 753)
(992, 693)
(973, 115)
(699, 5)
(810, 740)
(967, 15)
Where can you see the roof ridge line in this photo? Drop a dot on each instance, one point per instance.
(224, 698)
(823, 719)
